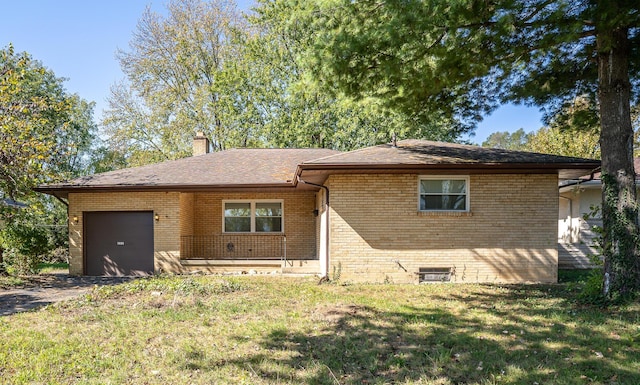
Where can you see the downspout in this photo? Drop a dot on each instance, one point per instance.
(325, 270)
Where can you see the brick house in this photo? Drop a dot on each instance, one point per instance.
(410, 212)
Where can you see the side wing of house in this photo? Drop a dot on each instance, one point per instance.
(132, 233)
(501, 227)
(114, 233)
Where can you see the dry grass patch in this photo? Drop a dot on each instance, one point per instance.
(268, 330)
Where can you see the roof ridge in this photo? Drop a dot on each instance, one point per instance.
(482, 148)
(345, 152)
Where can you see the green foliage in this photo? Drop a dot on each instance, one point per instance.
(296, 112)
(508, 141)
(558, 141)
(52, 267)
(45, 136)
(24, 247)
(244, 83)
(463, 58)
(176, 73)
(42, 129)
(592, 292)
(564, 136)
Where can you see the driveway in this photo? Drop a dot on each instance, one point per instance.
(42, 290)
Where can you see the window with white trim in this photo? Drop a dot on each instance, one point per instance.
(444, 193)
(252, 216)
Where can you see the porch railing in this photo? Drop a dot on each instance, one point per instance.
(234, 246)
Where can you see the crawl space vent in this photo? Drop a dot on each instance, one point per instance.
(434, 274)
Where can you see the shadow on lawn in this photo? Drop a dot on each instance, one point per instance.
(354, 344)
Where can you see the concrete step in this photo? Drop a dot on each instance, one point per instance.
(301, 267)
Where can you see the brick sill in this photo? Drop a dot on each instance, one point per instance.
(445, 214)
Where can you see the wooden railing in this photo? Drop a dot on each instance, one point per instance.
(234, 246)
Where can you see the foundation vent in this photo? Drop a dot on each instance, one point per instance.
(434, 274)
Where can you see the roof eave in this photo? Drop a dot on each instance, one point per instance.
(564, 170)
(461, 165)
(66, 189)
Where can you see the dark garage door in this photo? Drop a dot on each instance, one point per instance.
(118, 243)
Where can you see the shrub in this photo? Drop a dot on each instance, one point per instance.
(24, 246)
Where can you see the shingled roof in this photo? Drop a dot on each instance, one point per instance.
(279, 168)
(235, 168)
(422, 154)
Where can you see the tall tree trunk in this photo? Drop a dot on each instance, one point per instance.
(619, 209)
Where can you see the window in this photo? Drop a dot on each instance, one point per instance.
(237, 217)
(444, 194)
(252, 216)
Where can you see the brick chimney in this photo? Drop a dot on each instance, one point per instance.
(200, 144)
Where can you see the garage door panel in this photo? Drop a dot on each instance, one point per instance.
(119, 243)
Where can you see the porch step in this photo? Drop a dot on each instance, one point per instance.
(302, 267)
(575, 256)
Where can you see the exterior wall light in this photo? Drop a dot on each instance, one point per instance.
(157, 217)
(75, 219)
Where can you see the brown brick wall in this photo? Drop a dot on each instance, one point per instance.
(510, 234)
(299, 221)
(187, 213)
(166, 236)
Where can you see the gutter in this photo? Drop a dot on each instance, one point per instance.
(579, 180)
(326, 189)
(65, 189)
(445, 166)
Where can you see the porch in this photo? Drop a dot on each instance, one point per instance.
(234, 246)
(242, 252)
(269, 232)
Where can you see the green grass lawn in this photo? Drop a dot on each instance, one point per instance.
(271, 330)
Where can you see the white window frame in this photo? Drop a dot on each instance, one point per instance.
(446, 177)
(252, 203)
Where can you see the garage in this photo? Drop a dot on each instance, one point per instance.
(118, 243)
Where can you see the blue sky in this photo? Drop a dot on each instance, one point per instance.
(77, 39)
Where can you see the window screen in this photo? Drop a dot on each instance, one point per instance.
(443, 195)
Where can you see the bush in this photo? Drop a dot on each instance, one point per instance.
(24, 247)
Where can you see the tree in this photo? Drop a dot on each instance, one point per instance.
(250, 89)
(45, 134)
(573, 131)
(507, 141)
(464, 57)
(37, 128)
(173, 69)
(293, 111)
(554, 140)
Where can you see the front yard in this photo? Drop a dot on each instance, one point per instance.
(271, 330)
